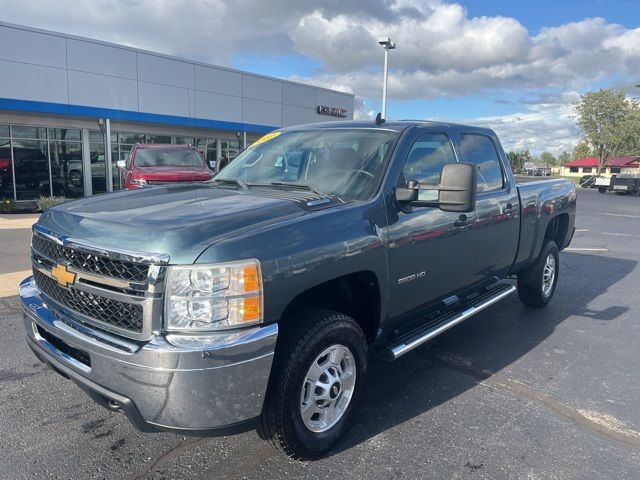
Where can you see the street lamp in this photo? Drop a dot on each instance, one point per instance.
(387, 44)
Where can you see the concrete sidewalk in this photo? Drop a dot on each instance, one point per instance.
(15, 261)
(16, 221)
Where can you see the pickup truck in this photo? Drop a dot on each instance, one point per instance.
(254, 300)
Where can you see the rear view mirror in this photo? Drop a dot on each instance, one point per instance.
(121, 164)
(458, 185)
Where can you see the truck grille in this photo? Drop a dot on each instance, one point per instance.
(89, 262)
(118, 314)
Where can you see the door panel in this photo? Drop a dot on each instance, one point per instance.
(497, 225)
(431, 253)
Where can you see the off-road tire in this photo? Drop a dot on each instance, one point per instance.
(530, 280)
(310, 332)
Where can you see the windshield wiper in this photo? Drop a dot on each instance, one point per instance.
(231, 181)
(301, 186)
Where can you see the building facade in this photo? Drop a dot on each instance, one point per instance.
(589, 166)
(54, 89)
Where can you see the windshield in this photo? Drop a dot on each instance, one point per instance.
(343, 162)
(171, 157)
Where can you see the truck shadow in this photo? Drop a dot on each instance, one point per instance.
(438, 372)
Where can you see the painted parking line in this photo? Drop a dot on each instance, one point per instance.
(9, 282)
(581, 230)
(578, 249)
(617, 215)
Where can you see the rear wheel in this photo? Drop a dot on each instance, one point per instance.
(537, 283)
(316, 377)
(602, 189)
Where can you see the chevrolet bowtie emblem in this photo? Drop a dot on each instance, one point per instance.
(63, 276)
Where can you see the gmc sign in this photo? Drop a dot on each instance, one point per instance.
(332, 111)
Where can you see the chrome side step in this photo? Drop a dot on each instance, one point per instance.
(450, 319)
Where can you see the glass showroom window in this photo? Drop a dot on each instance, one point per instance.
(31, 166)
(208, 148)
(6, 170)
(65, 153)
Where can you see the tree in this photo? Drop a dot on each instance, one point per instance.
(563, 158)
(581, 150)
(610, 122)
(548, 159)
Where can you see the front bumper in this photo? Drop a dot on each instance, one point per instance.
(216, 387)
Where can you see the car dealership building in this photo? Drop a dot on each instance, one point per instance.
(64, 98)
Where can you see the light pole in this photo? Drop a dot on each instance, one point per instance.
(387, 44)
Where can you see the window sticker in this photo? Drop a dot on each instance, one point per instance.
(265, 138)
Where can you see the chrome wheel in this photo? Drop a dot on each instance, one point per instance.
(548, 275)
(327, 388)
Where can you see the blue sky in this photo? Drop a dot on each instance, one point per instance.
(518, 66)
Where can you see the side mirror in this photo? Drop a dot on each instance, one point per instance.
(121, 164)
(408, 194)
(456, 192)
(458, 186)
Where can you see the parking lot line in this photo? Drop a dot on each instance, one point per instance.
(577, 249)
(617, 215)
(9, 282)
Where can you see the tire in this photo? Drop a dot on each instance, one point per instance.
(534, 287)
(75, 178)
(602, 189)
(291, 390)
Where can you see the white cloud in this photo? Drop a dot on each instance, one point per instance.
(442, 51)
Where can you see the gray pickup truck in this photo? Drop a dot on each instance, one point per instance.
(256, 299)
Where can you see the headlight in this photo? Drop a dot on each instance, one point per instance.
(212, 297)
(138, 181)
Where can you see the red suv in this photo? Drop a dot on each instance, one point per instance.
(154, 164)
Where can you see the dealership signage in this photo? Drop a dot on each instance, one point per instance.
(332, 111)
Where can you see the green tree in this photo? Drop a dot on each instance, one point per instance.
(610, 122)
(548, 159)
(581, 150)
(564, 157)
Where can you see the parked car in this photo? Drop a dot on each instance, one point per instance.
(626, 184)
(588, 181)
(604, 184)
(255, 300)
(155, 164)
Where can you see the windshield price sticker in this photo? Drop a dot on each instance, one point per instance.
(265, 138)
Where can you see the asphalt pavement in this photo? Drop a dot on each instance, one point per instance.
(511, 393)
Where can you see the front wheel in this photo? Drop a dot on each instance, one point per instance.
(317, 375)
(537, 282)
(602, 189)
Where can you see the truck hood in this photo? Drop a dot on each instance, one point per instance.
(176, 220)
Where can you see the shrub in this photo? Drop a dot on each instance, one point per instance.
(48, 202)
(7, 205)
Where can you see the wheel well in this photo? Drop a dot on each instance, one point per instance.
(356, 295)
(557, 229)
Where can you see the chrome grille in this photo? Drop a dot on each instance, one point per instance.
(90, 262)
(127, 316)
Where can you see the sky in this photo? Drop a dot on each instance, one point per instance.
(517, 66)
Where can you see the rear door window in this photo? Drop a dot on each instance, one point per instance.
(481, 151)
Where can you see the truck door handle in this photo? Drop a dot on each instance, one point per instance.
(509, 208)
(463, 221)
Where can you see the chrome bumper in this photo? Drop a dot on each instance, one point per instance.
(213, 387)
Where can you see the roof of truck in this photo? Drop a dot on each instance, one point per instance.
(397, 125)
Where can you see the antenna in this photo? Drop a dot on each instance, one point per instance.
(379, 119)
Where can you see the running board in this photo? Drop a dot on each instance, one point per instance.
(447, 320)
